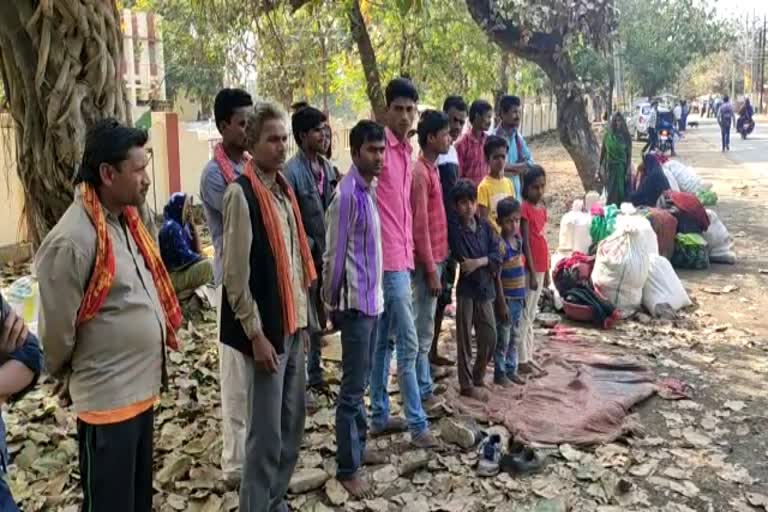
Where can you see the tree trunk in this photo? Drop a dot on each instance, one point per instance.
(368, 59)
(503, 87)
(544, 49)
(62, 70)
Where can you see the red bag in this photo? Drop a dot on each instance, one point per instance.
(664, 224)
(690, 208)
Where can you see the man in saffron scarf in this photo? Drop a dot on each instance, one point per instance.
(229, 156)
(268, 269)
(108, 310)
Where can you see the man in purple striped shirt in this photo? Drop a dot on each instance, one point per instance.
(352, 291)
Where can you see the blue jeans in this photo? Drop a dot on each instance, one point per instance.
(505, 358)
(424, 307)
(725, 134)
(314, 368)
(396, 330)
(6, 500)
(358, 334)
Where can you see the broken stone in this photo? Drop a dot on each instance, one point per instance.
(306, 480)
(377, 505)
(385, 474)
(412, 461)
(735, 405)
(336, 492)
(174, 469)
(569, 453)
(685, 488)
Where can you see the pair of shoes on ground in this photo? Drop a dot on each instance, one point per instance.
(519, 459)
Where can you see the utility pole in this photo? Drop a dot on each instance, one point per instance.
(762, 64)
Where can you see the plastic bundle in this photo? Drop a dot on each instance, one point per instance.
(603, 225)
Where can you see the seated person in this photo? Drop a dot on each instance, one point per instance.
(180, 247)
(650, 182)
(21, 362)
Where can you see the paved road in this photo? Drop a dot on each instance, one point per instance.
(753, 151)
(740, 178)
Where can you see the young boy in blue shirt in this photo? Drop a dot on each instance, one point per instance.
(21, 362)
(510, 293)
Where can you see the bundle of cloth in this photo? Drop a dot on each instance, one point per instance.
(573, 272)
(604, 314)
(690, 213)
(572, 278)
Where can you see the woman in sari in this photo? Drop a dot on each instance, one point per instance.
(615, 159)
(651, 182)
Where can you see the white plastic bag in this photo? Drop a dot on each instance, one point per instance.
(574, 231)
(719, 241)
(621, 268)
(686, 177)
(717, 236)
(671, 179)
(663, 287)
(646, 235)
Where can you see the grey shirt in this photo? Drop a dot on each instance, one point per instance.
(212, 187)
(115, 359)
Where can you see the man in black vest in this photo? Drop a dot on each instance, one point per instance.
(267, 271)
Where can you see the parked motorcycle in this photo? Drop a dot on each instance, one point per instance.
(745, 126)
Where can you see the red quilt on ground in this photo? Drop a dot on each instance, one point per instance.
(583, 400)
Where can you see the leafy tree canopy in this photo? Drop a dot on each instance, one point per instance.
(661, 37)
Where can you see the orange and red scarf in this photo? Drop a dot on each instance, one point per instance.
(275, 236)
(104, 266)
(225, 164)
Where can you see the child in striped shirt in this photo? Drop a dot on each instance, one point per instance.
(510, 293)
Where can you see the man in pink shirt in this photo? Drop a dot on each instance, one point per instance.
(469, 147)
(430, 240)
(396, 326)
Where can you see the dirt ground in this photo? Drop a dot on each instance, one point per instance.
(707, 453)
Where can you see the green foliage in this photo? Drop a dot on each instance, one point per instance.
(661, 37)
(293, 53)
(196, 47)
(592, 67)
(439, 46)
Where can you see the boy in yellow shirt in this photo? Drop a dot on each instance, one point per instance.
(495, 186)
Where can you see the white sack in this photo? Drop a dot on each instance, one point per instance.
(645, 233)
(686, 177)
(621, 268)
(663, 286)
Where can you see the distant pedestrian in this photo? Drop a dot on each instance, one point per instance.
(653, 137)
(724, 119)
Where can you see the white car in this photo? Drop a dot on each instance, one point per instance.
(638, 121)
